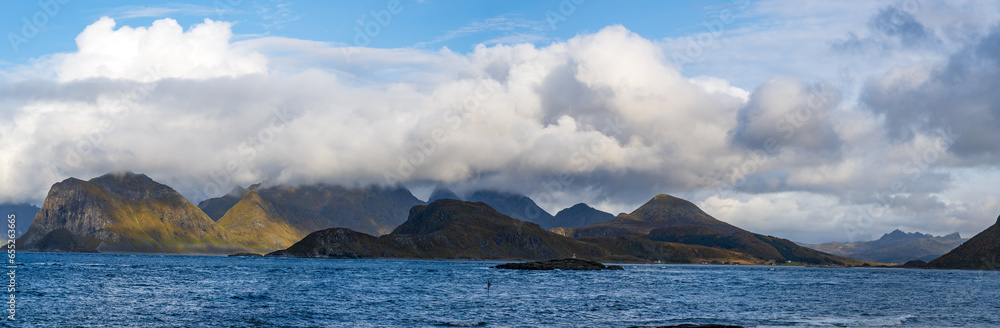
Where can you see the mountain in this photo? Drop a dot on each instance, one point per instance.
(453, 229)
(24, 213)
(442, 193)
(215, 208)
(670, 219)
(662, 211)
(516, 206)
(981, 252)
(284, 215)
(894, 247)
(125, 212)
(580, 215)
(254, 218)
(446, 229)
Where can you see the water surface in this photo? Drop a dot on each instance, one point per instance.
(114, 290)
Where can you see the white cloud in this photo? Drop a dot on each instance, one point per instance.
(164, 50)
(162, 11)
(604, 118)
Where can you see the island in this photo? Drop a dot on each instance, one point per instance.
(564, 264)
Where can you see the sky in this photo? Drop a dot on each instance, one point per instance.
(812, 121)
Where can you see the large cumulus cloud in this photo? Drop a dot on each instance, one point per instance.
(204, 114)
(606, 118)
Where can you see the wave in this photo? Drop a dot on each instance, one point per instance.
(844, 322)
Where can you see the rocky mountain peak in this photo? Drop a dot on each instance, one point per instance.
(132, 186)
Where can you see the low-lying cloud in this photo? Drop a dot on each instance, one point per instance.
(605, 118)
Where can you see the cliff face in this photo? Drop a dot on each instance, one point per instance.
(122, 213)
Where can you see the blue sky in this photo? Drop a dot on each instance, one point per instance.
(428, 24)
(810, 120)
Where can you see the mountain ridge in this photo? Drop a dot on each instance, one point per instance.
(894, 247)
(667, 218)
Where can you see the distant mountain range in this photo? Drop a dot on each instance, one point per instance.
(24, 214)
(130, 212)
(670, 219)
(523, 208)
(454, 229)
(894, 247)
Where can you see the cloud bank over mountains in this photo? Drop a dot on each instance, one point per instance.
(605, 118)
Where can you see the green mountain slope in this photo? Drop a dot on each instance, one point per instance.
(215, 208)
(123, 213)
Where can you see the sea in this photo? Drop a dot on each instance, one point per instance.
(134, 290)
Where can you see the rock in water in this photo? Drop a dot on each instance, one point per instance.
(246, 255)
(688, 325)
(564, 264)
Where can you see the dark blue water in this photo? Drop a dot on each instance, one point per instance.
(105, 290)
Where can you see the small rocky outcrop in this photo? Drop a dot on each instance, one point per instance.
(564, 264)
(246, 255)
(689, 325)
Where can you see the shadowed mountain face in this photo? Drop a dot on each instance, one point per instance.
(281, 216)
(442, 193)
(669, 219)
(123, 213)
(215, 208)
(516, 206)
(580, 215)
(23, 214)
(373, 210)
(446, 229)
(662, 211)
(895, 247)
(452, 229)
(981, 252)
